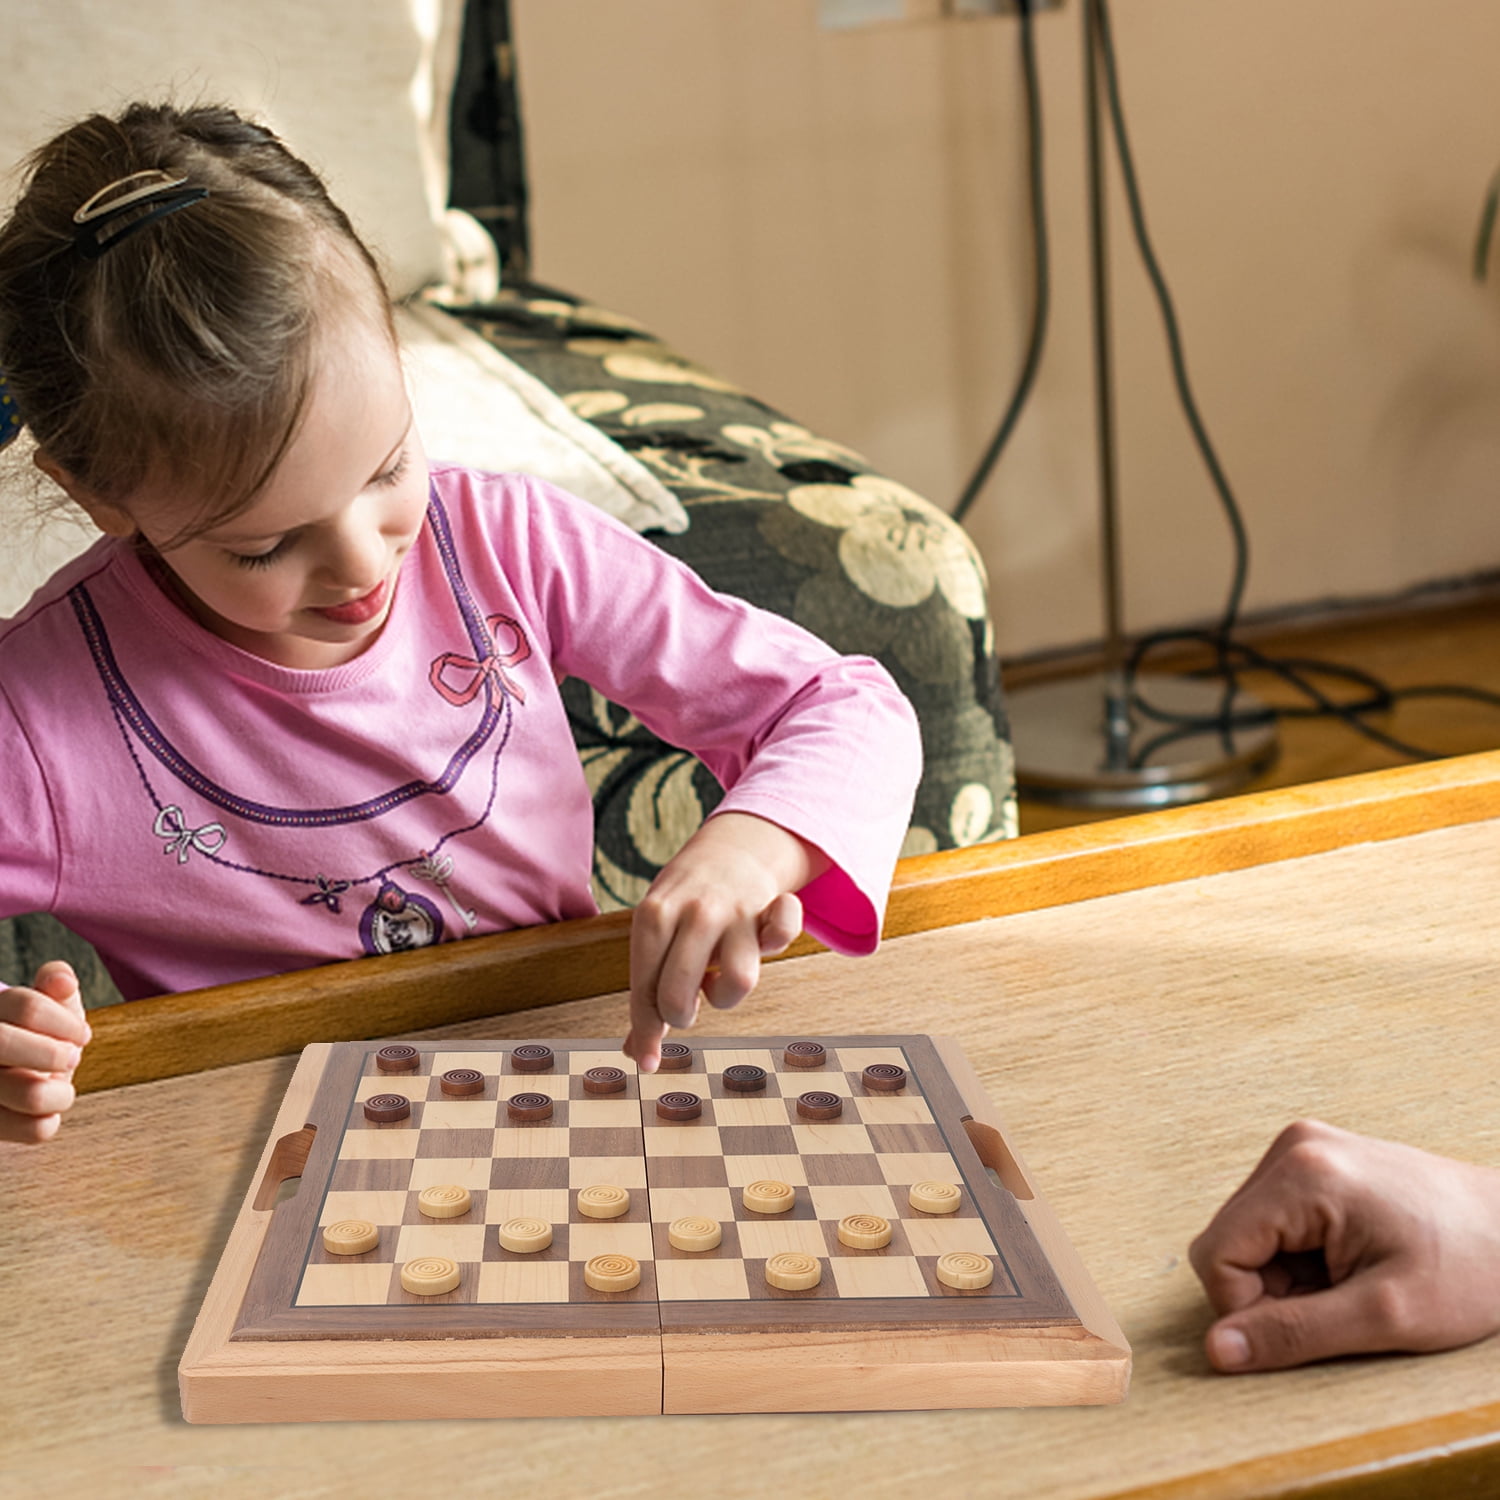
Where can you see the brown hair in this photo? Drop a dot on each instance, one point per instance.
(183, 353)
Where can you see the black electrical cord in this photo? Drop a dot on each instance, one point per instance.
(1223, 721)
(1041, 297)
(1232, 654)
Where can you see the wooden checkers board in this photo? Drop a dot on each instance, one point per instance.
(293, 1331)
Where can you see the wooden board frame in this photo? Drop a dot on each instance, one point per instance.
(247, 1361)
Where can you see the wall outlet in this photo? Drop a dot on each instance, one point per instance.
(841, 15)
(994, 7)
(844, 15)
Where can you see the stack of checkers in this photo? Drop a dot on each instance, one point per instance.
(528, 1176)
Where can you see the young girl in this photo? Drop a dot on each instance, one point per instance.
(299, 703)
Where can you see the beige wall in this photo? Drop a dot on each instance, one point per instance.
(835, 220)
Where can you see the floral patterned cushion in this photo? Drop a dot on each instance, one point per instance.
(793, 523)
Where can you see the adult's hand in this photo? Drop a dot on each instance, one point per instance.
(1343, 1244)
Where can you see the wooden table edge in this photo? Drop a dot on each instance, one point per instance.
(1457, 1453)
(506, 972)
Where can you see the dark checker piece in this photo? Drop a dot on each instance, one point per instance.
(385, 1108)
(532, 1058)
(744, 1078)
(679, 1107)
(804, 1055)
(676, 1057)
(819, 1106)
(604, 1081)
(529, 1107)
(398, 1058)
(884, 1078)
(460, 1083)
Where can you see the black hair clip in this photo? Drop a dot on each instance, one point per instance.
(101, 226)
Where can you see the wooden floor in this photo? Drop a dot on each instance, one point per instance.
(1459, 644)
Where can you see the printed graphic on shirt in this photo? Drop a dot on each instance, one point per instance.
(472, 675)
(181, 840)
(388, 917)
(397, 921)
(439, 870)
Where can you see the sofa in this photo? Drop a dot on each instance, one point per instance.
(419, 131)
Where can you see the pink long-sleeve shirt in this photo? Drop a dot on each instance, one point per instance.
(202, 815)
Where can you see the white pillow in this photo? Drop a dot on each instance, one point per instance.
(476, 407)
(360, 90)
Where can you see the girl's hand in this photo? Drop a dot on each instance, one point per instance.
(43, 1031)
(1343, 1244)
(719, 906)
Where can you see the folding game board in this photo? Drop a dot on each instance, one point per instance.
(530, 1143)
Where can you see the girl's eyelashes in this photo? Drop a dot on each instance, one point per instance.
(262, 559)
(265, 559)
(395, 471)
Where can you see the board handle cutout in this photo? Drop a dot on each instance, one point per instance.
(990, 1146)
(288, 1159)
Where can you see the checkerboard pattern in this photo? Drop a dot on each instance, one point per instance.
(865, 1161)
(512, 1169)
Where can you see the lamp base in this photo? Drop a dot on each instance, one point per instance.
(1066, 753)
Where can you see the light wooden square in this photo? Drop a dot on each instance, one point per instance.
(716, 1060)
(512, 1142)
(488, 1063)
(614, 1171)
(750, 1112)
(702, 1280)
(825, 1080)
(834, 1203)
(687, 1202)
(897, 1109)
(523, 1281)
(378, 1145)
(921, 1166)
(551, 1204)
(435, 1171)
(654, 1085)
(580, 1062)
(935, 1236)
(457, 1241)
(367, 1284)
(771, 1236)
(458, 1114)
(384, 1207)
(741, 1170)
(605, 1114)
(874, 1276)
(820, 1140)
(554, 1085)
(702, 1140)
(857, 1059)
(605, 1238)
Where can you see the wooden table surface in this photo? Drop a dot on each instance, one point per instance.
(1142, 1047)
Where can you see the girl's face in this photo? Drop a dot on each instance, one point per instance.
(305, 575)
